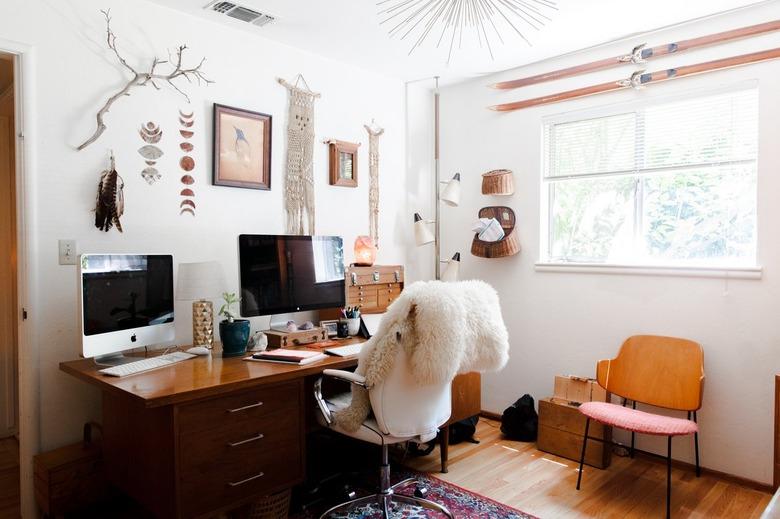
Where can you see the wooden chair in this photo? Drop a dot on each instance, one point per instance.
(660, 371)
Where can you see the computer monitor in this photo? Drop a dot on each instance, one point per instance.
(282, 274)
(126, 302)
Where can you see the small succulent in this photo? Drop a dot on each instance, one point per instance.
(230, 300)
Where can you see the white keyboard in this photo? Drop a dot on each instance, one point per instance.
(344, 351)
(131, 368)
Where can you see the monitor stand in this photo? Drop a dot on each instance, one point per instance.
(279, 322)
(113, 359)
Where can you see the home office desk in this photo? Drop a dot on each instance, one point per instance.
(208, 434)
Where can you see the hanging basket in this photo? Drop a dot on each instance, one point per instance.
(498, 182)
(509, 245)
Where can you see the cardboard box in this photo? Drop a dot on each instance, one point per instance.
(562, 426)
(576, 390)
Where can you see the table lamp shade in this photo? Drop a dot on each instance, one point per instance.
(197, 281)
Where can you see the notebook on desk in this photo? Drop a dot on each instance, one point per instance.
(283, 356)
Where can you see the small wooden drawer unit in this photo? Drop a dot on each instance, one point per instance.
(234, 447)
(373, 288)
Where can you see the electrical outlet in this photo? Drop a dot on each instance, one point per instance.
(67, 252)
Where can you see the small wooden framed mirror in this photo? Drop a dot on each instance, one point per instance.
(343, 163)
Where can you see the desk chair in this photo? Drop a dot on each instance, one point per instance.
(660, 371)
(402, 411)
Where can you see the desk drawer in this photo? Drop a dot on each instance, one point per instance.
(235, 408)
(227, 464)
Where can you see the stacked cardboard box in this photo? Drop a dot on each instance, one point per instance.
(562, 426)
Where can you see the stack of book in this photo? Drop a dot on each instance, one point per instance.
(283, 356)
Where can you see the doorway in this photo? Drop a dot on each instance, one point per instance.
(9, 387)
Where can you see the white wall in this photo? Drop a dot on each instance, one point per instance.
(73, 75)
(563, 323)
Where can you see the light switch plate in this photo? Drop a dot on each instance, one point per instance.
(67, 250)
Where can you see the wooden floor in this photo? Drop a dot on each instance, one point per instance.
(9, 479)
(517, 474)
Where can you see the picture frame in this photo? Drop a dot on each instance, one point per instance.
(343, 163)
(331, 326)
(241, 148)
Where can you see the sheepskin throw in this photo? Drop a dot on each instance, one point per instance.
(444, 328)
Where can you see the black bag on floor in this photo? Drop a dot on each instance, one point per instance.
(520, 421)
(464, 430)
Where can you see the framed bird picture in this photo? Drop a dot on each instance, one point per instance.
(242, 148)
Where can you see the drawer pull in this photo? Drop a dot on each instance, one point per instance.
(237, 409)
(248, 440)
(247, 480)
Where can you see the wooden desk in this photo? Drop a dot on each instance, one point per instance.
(208, 434)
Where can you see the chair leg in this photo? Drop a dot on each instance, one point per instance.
(669, 479)
(582, 458)
(631, 453)
(696, 445)
(425, 503)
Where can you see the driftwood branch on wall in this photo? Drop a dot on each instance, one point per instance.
(151, 77)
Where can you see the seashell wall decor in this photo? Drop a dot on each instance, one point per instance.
(187, 163)
(150, 133)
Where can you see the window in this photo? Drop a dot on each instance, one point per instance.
(666, 184)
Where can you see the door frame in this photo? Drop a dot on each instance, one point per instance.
(27, 345)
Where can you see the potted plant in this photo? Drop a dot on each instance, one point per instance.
(233, 332)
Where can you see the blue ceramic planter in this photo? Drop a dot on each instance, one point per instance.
(234, 336)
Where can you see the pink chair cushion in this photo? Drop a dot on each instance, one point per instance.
(637, 421)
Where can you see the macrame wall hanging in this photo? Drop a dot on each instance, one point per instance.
(374, 132)
(299, 182)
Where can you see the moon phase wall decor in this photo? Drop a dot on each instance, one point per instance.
(151, 134)
(187, 163)
(447, 21)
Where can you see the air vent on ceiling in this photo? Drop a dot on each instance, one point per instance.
(240, 12)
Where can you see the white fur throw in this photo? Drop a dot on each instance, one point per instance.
(445, 329)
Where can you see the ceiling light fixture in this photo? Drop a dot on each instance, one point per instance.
(449, 19)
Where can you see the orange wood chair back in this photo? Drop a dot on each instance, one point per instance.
(661, 371)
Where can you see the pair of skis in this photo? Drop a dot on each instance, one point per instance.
(639, 55)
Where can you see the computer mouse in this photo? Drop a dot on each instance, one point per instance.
(199, 350)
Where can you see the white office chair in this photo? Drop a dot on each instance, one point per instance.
(402, 411)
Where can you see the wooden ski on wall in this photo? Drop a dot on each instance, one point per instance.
(640, 54)
(641, 78)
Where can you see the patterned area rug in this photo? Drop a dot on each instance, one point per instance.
(462, 503)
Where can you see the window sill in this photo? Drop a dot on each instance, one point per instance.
(653, 270)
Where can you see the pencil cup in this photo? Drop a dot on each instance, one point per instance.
(353, 326)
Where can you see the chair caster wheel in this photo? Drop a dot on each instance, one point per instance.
(420, 491)
(349, 493)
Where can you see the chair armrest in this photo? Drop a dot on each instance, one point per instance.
(347, 376)
(321, 403)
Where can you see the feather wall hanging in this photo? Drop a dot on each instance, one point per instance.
(187, 163)
(110, 200)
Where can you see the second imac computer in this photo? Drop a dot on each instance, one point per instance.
(126, 302)
(283, 274)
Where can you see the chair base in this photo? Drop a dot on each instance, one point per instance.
(386, 498)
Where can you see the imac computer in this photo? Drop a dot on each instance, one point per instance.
(126, 302)
(283, 274)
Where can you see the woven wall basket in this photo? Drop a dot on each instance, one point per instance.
(509, 245)
(498, 182)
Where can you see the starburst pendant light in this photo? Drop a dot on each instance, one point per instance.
(446, 21)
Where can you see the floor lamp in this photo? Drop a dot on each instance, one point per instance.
(450, 196)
